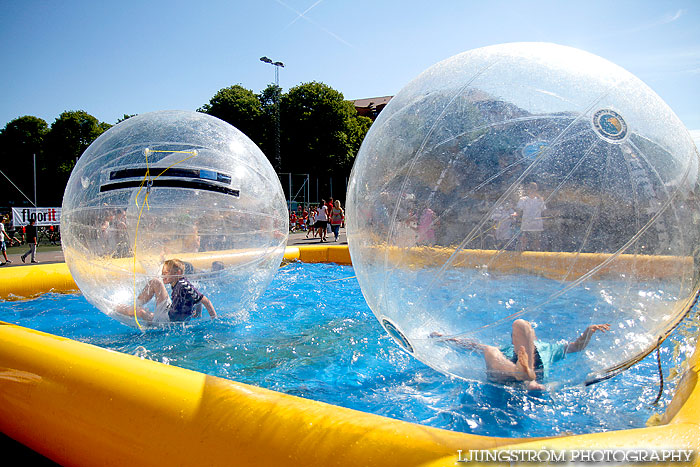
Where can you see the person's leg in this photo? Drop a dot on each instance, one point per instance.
(523, 335)
(154, 288)
(32, 248)
(523, 241)
(536, 241)
(468, 344)
(27, 253)
(128, 310)
(501, 369)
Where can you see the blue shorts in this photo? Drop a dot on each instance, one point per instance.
(546, 353)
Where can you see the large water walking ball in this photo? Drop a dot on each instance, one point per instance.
(173, 185)
(526, 184)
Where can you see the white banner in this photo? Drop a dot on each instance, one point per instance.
(44, 216)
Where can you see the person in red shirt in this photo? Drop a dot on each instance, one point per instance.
(337, 216)
(329, 208)
(304, 219)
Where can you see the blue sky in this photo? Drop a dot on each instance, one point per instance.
(112, 58)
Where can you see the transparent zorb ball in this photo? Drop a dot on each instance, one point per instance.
(533, 182)
(173, 185)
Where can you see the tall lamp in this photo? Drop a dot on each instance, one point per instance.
(277, 65)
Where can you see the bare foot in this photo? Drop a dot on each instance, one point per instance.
(523, 363)
(534, 386)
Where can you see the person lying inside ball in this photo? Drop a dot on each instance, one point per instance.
(526, 358)
(183, 303)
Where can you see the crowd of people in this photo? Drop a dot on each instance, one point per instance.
(21, 235)
(318, 220)
(185, 301)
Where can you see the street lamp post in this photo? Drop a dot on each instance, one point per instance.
(277, 65)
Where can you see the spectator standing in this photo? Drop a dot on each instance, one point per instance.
(31, 240)
(531, 207)
(329, 208)
(337, 219)
(426, 227)
(322, 219)
(12, 230)
(305, 221)
(311, 224)
(3, 247)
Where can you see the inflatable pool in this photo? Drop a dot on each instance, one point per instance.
(78, 404)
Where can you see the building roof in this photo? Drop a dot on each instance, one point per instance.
(372, 102)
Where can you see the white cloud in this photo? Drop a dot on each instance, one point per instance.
(670, 18)
(303, 16)
(663, 20)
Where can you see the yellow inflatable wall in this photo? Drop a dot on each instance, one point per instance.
(78, 404)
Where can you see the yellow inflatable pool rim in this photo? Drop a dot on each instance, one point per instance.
(79, 404)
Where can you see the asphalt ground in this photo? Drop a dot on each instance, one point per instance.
(48, 253)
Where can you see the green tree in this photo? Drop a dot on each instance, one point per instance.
(270, 99)
(21, 140)
(238, 106)
(70, 135)
(321, 131)
(126, 117)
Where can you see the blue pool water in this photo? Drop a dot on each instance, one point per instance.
(312, 335)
